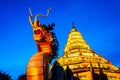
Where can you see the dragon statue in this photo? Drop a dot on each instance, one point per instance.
(47, 44)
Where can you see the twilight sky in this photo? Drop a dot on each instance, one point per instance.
(97, 20)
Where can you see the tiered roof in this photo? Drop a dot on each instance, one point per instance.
(77, 54)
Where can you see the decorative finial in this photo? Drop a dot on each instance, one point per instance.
(73, 25)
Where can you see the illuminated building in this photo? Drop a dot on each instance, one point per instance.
(84, 62)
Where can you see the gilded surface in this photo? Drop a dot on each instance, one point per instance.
(80, 58)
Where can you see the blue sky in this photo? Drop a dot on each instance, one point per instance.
(97, 20)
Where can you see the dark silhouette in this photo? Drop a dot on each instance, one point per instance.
(69, 75)
(95, 76)
(4, 76)
(102, 76)
(57, 72)
(76, 78)
(49, 27)
(22, 77)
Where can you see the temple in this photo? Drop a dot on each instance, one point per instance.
(84, 62)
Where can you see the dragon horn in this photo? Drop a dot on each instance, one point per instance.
(35, 22)
(48, 11)
(30, 11)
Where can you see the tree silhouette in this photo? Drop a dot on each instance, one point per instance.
(69, 75)
(102, 76)
(4, 76)
(57, 72)
(22, 77)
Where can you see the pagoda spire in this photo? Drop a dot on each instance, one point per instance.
(83, 61)
(76, 43)
(73, 25)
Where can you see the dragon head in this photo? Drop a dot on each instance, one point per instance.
(41, 33)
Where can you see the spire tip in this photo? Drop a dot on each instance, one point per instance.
(73, 25)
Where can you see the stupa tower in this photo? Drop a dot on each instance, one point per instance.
(83, 61)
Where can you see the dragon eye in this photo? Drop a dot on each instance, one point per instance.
(37, 32)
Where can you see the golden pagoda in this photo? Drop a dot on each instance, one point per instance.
(84, 62)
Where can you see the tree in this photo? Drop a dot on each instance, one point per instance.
(22, 77)
(69, 75)
(4, 76)
(57, 72)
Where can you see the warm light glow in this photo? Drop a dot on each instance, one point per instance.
(44, 39)
(78, 55)
(73, 54)
(87, 54)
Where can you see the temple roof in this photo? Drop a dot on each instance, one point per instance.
(78, 52)
(76, 44)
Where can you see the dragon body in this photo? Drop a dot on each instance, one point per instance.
(37, 68)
